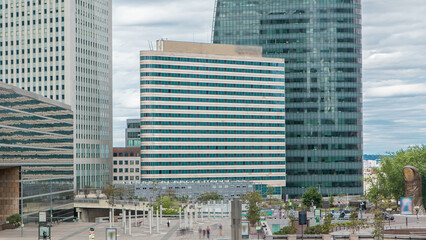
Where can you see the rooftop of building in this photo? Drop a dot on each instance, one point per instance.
(208, 48)
(19, 91)
(126, 151)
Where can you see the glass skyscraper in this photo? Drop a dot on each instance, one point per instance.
(320, 41)
(62, 50)
(212, 112)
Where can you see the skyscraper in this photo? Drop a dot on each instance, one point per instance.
(212, 112)
(133, 133)
(62, 50)
(320, 41)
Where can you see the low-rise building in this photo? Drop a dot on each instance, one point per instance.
(126, 165)
(36, 155)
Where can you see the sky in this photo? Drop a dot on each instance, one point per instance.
(394, 62)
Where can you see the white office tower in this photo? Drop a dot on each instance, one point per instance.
(62, 50)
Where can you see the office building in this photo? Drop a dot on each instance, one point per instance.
(133, 133)
(320, 41)
(36, 155)
(212, 112)
(126, 165)
(62, 50)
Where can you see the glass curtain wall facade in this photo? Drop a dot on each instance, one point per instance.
(133, 133)
(207, 117)
(62, 50)
(36, 155)
(320, 41)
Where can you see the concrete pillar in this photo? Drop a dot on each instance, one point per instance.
(191, 218)
(130, 222)
(221, 208)
(161, 214)
(110, 222)
(158, 224)
(180, 217)
(112, 214)
(208, 210)
(236, 219)
(150, 221)
(143, 214)
(124, 221)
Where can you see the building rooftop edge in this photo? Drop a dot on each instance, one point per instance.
(33, 95)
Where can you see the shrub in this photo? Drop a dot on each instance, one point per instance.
(286, 230)
(15, 218)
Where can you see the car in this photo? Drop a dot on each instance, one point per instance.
(388, 216)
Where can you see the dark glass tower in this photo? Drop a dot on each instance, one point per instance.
(320, 41)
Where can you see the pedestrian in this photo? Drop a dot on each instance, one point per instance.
(208, 232)
(204, 233)
(220, 229)
(168, 223)
(44, 235)
(199, 232)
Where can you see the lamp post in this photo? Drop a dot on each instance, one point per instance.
(22, 204)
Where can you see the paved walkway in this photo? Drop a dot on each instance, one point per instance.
(72, 231)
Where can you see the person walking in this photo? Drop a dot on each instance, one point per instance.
(199, 232)
(208, 232)
(220, 229)
(168, 223)
(204, 233)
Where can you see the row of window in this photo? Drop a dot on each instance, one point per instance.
(170, 139)
(204, 155)
(204, 76)
(211, 69)
(311, 134)
(218, 61)
(324, 147)
(270, 51)
(213, 171)
(231, 93)
(182, 115)
(126, 154)
(217, 179)
(324, 159)
(324, 184)
(212, 100)
(211, 84)
(324, 100)
(323, 60)
(126, 178)
(151, 147)
(214, 124)
(317, 122)
(323, 109)
(183, 131)
(126, 162)
(212, 163)
(126, 170)
(213, 108)
(296, 172)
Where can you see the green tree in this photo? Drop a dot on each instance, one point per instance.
(290, 229)
(354, 223)
(269, 193)
(15, 218)
(331, 200)
(253, 199)
(389, 180)
(207, 196)
(312, 194)
(165, 201)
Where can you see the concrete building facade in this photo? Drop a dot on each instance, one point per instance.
(36, 155)
(62, 50)
(212, 113)
(126, 165)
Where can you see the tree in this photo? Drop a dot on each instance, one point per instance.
(331, 200)
(312, 194)
(253, 199)
(389, 180)
(354, 223)
(207, 196)
(290, 229)
(165, 201)
(269, 192)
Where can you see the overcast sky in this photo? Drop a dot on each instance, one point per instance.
(394, 62)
